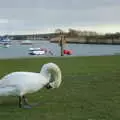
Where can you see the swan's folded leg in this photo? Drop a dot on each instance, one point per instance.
(25, 100)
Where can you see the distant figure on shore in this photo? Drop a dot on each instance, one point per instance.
(50, 52)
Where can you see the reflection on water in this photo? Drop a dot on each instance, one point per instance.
(17, 50)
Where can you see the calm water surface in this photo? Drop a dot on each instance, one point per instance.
(16, 50)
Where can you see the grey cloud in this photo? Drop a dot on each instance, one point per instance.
(39, 14)
(57, 4)
(43, 16)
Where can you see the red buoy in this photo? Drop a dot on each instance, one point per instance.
(68, 52)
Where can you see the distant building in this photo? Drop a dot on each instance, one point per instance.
(87, 33)
(35, 37)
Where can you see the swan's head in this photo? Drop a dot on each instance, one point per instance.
(53, 71)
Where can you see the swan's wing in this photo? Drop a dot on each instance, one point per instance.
(8, 90)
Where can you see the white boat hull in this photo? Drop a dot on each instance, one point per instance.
(37, 52)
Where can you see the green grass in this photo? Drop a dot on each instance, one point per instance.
(90, 90)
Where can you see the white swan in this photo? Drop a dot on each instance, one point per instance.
(21, 83)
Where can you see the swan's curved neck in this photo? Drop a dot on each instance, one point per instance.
(53, 73)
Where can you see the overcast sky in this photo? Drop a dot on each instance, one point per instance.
(31, 16)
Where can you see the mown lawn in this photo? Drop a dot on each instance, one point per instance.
(90, 90)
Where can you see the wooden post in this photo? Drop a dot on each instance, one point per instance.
(61, 41)
(61, 45)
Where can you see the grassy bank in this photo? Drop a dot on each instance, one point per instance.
(90, 90)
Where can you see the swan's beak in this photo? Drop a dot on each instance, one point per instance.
(48, 86)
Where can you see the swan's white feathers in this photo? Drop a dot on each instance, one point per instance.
(5, 91)
(20, 83)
